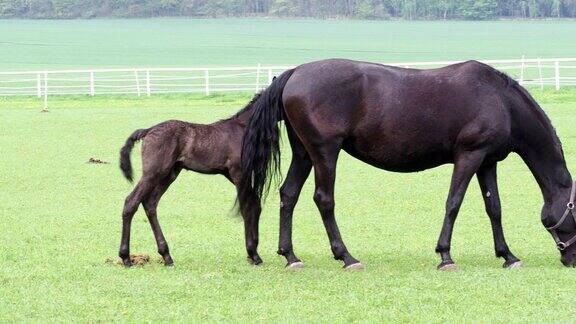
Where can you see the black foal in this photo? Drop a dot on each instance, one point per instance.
(172, 146)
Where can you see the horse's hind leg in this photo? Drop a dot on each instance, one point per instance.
(487, 179)
(140, 192)
(324, 159)
(298, 172)
(465, 165)
(150, 205)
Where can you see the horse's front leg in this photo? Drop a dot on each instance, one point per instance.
(465, 165)
(487, 179)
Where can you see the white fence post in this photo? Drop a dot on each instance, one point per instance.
(540, 74)
(92, 83)
(137, 82)
(148, 83)
(38, 85)
(206, 82)
(557, 74)
(522, 64)
(258, 78)
(45, 92)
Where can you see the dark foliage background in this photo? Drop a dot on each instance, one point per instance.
(357, 9)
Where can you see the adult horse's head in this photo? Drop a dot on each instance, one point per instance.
(559, 218)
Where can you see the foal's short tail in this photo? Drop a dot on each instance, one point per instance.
(260, 146)
(125, 164)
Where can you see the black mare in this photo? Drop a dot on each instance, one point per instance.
(404, 120)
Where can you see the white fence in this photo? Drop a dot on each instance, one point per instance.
(556, 73)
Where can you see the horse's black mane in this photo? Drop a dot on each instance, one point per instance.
(526, 96)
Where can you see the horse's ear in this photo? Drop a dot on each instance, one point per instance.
(274, 78)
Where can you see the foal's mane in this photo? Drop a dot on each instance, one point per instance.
(246, 108)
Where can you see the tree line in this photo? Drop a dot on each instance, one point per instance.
(354, 9)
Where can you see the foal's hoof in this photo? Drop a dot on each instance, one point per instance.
(127, 263)
(514, 265)
(450, 267)
(354, 267)
(168, 261)
(295, 265)
(254, 260)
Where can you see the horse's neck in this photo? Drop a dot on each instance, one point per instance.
(537, 144)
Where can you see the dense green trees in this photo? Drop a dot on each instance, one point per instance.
(361, 9)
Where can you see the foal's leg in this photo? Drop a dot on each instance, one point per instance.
(300, 168)
(325, 175)
(140, 192)
(251, 217)
(465, 165)
(487, 179)
(251, 222)
(150, 204)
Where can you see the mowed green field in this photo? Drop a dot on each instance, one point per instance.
(54, 44)
(61, 224)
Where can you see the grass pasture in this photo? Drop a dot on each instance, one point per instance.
(105, 43)
(61, 223)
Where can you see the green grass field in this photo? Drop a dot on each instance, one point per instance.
(61, 216)
(61, 223)
(45, 44)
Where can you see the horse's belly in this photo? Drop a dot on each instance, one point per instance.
(401, 157)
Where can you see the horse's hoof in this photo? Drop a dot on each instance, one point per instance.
(450, 267)
(295, 265)
(354, 267)
(515, 265)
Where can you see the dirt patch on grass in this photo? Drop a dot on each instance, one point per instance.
(96, 161)
(137, 260)
(140, 259)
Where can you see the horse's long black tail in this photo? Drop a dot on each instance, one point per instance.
(125, 164)
(261, 144)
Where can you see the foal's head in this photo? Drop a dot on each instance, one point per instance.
(559, 218)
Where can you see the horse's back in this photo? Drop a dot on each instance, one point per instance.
(399, 119)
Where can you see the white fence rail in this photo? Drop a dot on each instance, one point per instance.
(555, 73)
